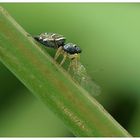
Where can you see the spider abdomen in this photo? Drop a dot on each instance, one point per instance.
(51, 40)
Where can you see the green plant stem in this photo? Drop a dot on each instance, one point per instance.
(80, 112)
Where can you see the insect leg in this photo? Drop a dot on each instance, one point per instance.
(58, 52)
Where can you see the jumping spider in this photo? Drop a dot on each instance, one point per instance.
(68, 50)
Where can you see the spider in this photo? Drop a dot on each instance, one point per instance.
(71, 51)
(68, 50)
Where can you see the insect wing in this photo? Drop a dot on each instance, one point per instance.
(90, 86)
(81, 76)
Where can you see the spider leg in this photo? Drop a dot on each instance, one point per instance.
(69, 67)
(74, 60)
(77, 58)
(73, 63)
(58, 52)
(64, 58)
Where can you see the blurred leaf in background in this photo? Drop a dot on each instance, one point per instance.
(21, 114)
(109, 35)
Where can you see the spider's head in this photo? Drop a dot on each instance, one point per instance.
(71, 48)
(77, 49)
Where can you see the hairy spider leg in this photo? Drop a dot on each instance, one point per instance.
(64, 58)
(74, 61)
(58, 52)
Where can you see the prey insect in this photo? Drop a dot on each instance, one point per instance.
(72, 52)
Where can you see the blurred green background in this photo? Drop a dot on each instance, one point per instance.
(109, 35)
